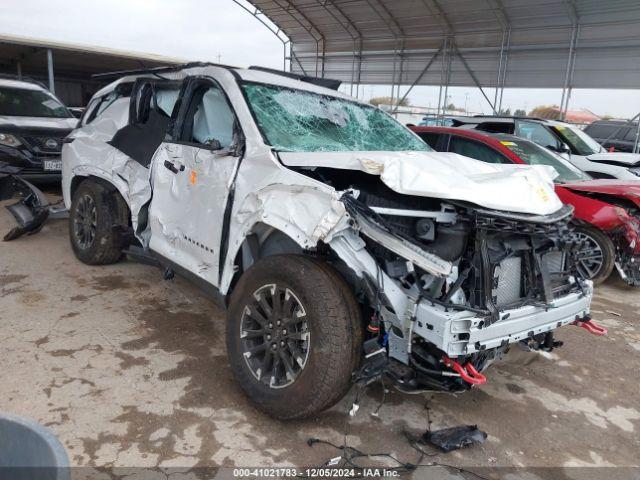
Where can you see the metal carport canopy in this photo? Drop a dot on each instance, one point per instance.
(488, 43)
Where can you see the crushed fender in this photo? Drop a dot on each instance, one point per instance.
(32, 208)
(449, 439)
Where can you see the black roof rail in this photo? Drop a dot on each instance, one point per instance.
(156, 70)
(518, 117)
(321, 82)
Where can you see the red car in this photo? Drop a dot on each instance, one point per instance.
(607, 212)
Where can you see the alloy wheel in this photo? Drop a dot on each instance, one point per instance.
(85, 222)
(275, 336)
(590, 256)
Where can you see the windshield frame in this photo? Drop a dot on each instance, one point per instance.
(243, 83)
(42, 92)
(558, 130)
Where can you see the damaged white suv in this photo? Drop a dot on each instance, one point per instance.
(344, 247)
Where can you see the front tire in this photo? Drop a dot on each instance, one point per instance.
(95, 215)
(294, 335)
(596, 257)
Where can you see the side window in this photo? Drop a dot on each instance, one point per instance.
(209, 119)
(98, 105)
(496, 127)
(155, 97)
(473, 149)
(430, 138)
(150, 107)
(537, 133)
(599, 131)
(631, 134)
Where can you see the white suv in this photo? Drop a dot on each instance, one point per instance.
(343, 246)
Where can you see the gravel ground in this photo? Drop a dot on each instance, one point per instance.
(129, 370)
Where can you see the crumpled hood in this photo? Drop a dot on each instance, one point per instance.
(511, 188)
(616, 158)
(628, 189)
(12, 124)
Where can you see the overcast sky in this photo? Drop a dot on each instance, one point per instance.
(219, 30)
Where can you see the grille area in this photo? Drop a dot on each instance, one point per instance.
(44, 144)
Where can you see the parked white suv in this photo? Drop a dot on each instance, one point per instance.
(563, 138)
(345, 247)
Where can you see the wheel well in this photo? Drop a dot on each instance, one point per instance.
(265, 241)
(77, 180)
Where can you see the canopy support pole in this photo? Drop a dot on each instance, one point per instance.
(52, 86)
(475, 79)
(419, 77)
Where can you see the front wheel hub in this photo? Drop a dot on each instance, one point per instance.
(85, 222)
(275, 355)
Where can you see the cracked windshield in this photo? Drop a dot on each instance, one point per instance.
(302, 121)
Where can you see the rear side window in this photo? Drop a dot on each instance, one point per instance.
(602, 131)
(159, 97)
(496, 127)
(631, 134)
(97, 106)
(473, 149)
(430, 138)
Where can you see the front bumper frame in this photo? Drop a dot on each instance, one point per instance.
(463, 333)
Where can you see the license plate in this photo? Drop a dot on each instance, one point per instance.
(52, 165)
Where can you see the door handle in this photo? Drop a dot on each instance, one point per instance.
(172, 167)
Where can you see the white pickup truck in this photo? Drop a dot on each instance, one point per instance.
(343, 246)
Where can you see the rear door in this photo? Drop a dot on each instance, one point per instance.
(150, 118)
(192, 176)
(437, 141)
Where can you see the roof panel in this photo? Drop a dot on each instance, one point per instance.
(385, 41)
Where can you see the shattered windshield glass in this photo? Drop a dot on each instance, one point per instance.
(302, 121)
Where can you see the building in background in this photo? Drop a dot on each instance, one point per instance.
(67, 69)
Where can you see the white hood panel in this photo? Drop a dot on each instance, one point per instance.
(630, 159)
(39, 122)
(511, 188)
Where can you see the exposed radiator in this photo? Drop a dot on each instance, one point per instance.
(509, 285)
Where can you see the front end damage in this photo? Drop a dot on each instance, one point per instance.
(626, 239)
(447, 290)
(32, 208)
(614, 208)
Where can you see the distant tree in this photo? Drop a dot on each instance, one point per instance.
(552, 112)
(387, 101)
(505, 113)
(519, 112)
(606, 117)
(451, 106)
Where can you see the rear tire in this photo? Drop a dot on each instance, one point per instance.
(95, 215)
(596, 258)
(301, 371)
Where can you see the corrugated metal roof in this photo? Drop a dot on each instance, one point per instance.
(391, 41)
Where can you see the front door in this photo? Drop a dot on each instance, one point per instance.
(192, 175)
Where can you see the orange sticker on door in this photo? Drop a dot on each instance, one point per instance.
(192, 177)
